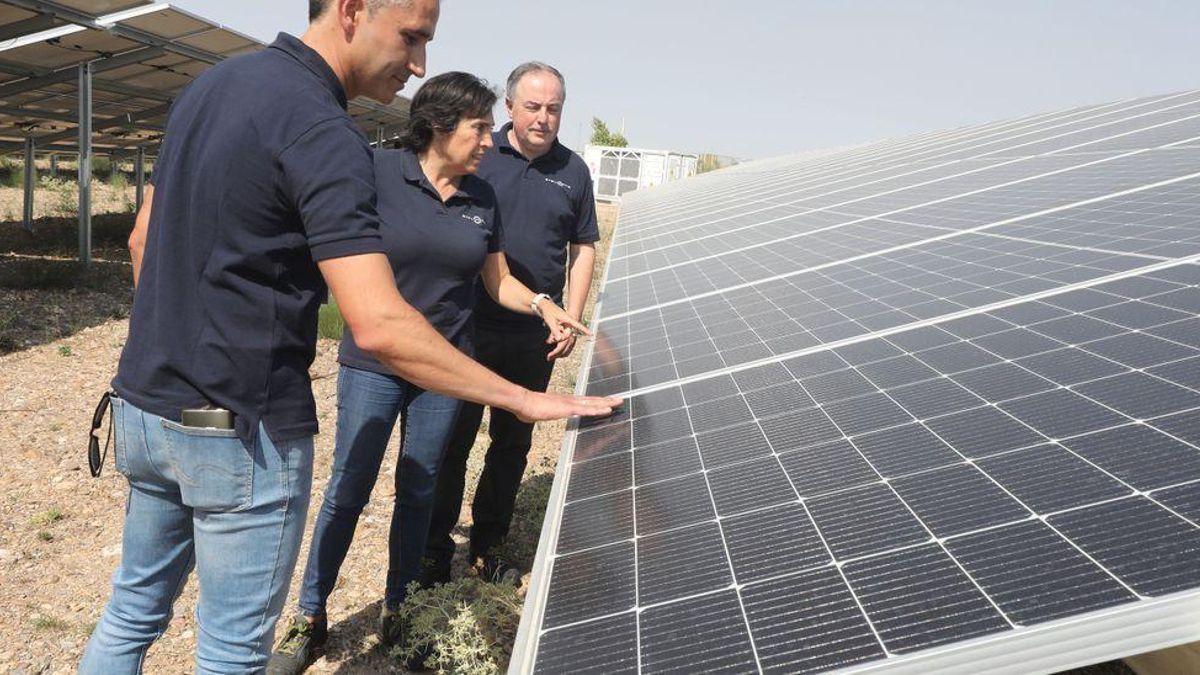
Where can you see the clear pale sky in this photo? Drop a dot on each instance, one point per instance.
(760, 78)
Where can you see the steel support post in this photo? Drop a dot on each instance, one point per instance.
(139, 168)
(85, 162)
(30, 178)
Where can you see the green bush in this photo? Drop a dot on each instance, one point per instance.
(102, 167)
(468, 625)
(65, 200)
(329, 322)
(118, 181)
(12, 174)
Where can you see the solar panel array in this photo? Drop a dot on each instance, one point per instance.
(143, 53)
(928, 403)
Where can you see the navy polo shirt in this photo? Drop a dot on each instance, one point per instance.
(545, 204)
(436, 249)
(261, 174)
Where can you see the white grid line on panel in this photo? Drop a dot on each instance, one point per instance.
(885, 215)
(937, 142)
(927, 322)
(1133, 494)
(1015, 160)
(901, 247)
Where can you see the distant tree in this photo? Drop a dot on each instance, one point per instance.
(602, 136)
(711, 162)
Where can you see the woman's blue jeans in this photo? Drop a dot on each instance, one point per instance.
(368, 405)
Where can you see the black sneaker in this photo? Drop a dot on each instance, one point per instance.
(391, 627)
(497, 570)
(393, 635)
(435, 569)
(416, 662)
(299, 646)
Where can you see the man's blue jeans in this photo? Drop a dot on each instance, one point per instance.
(202, 498)
(368, 405)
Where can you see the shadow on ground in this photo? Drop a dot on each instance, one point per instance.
(46, 294)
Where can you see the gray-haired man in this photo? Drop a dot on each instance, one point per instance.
(544, 192)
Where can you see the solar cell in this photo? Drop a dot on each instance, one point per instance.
(909, 395)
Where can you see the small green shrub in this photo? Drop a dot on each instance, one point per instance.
(469, 625)
(43, 622)
(47, 517)
(102, 167)
(45, 535)
(12, 172)
(118, 181)
(64, 350)
(64, 201)
(330, 322)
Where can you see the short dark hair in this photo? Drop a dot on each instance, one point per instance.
(441, 103)
(316, 8)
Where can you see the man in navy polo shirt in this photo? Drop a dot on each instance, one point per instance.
(544, 192)
(264, 197)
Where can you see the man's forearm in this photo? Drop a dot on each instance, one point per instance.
(137, 238)
(503, 287)
(579, 278)
(419, 354)
(391, 330)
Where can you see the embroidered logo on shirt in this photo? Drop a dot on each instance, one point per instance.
(474, 219)
(559, 183)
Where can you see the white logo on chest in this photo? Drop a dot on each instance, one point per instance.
(474, 219)
(559, 183)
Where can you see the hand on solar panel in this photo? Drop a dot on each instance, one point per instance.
(537, 406)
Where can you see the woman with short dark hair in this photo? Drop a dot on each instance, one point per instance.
(442, 230)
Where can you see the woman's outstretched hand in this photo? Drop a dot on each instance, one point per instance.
(563, 330)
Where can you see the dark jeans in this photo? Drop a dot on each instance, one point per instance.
(368, 404)
(520, 358)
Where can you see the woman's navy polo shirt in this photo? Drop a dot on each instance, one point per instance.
(436, 249)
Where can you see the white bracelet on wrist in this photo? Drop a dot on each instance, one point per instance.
(533, 304)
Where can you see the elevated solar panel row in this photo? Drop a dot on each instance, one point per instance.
(142, 54)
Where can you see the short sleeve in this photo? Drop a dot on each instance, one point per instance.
(329, 174)
(586, 230)
(163, 147)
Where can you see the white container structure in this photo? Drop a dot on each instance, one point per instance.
(616, 171)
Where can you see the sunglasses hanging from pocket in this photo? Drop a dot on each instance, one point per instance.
(95, 456)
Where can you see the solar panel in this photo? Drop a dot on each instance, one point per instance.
(142, 54)
(923, 404)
